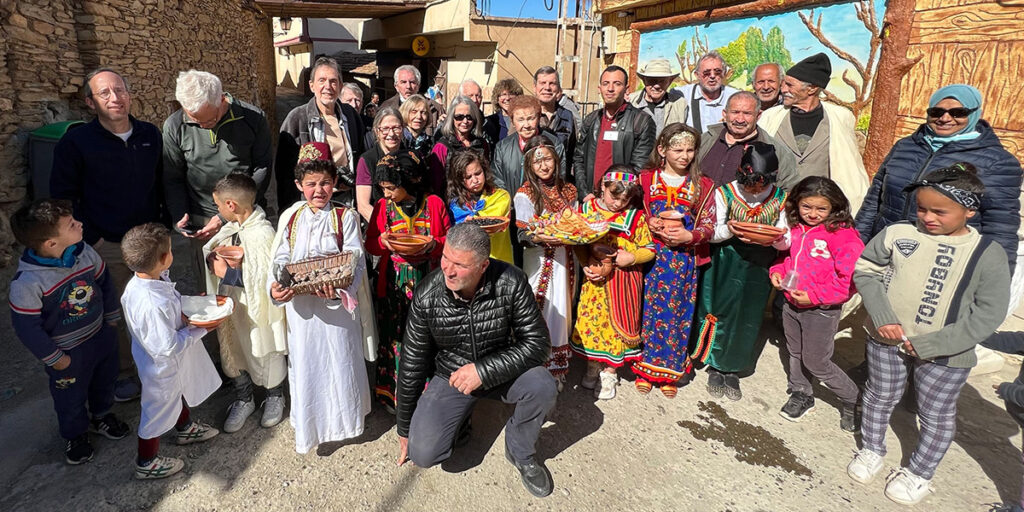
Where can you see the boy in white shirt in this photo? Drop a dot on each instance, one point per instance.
(175, 370)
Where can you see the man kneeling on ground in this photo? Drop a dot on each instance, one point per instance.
(476, 323)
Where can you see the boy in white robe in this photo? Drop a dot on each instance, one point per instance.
(327, 376)
(252, 339)
(175, 370)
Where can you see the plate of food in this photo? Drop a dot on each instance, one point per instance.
(491, 225)
(206, 311)
(570, 227)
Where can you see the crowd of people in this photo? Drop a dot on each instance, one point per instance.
(716, 200)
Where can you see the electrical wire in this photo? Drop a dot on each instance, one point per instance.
(549, 7)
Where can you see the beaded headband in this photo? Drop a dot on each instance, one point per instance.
(681, 137)
(624, 177)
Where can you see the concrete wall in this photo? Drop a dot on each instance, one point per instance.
(47, 46)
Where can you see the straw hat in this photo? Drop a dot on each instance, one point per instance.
(657, 68)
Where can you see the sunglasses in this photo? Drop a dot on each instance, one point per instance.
(709, 72)
(462, 117)
(959, 112)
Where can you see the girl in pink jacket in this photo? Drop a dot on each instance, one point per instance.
(816, 278)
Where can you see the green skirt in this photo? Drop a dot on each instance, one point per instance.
(731, 304)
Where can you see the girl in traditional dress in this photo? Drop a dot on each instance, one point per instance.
(680, 205)
(407, 207)
(550, 265)
(607, 329)
(327, 375)
(472, 193)
(736, 286)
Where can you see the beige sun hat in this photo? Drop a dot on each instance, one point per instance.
(657, 68)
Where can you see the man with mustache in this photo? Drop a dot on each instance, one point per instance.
(655, 99)
(819, 135)
(767, 83)
(721, 147)
(706, 98)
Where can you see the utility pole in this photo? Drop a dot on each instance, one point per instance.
(568, 61)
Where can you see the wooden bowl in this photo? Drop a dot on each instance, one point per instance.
(491, 225)
(758, 233)
(408, 244)
(232, 254)
(212, 324)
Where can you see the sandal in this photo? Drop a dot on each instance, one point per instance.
(643, 386)
(669, 390)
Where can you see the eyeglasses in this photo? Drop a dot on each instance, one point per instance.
(105, 93)
(389, 129)
(462, 117)
(709, 72)
(959, 112)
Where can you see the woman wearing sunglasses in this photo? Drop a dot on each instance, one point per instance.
(954, 132)
(462, 129)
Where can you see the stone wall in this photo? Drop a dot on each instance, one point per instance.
(47, 46)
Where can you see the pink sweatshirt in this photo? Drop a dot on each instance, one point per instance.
(825, 262)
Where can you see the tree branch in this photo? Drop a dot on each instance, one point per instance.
(815, 30)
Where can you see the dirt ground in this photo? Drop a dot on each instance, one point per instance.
(635, 452)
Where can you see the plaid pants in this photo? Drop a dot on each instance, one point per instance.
(938, 388)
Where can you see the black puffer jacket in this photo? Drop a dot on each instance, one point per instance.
(912, 157)
(501, 330)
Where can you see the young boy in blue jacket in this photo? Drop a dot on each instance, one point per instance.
(63, 310)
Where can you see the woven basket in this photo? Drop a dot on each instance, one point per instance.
(312, 274)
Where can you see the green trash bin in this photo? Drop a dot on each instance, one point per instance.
(41, 144)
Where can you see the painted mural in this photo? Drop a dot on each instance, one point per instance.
(849, 33)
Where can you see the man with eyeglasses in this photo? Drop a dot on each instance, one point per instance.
(212, 135)
(706, 98)
(820, 135)
(332, 117)
(407, 83)
(109, 169)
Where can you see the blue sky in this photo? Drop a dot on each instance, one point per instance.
(532, 9)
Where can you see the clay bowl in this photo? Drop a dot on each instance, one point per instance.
(232, 254)
(212, 324)
(602, 259)
(408, 244)
(758, 233)
(671, 218)
(491, 225)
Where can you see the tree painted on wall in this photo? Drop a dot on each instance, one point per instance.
(861, 92)
(687, 56)
(742, 55)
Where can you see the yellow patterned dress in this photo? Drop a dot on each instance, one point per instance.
(610, 312)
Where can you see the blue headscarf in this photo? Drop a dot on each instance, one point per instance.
(969, 97)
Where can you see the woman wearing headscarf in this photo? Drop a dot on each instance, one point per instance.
(954, 132)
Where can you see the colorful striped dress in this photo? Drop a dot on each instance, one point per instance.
(609, 313)
(397, 276)
(670, 287)
(736, 287)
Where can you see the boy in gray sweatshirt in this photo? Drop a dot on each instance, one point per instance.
(932, 292)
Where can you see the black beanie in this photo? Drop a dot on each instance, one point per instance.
(815, 70)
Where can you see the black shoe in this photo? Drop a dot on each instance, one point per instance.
(732, 387)
(849, 418)
(797, 406)
(109, 427)
(78, 450)
(536, 477)
(464, 433)
(716, 383)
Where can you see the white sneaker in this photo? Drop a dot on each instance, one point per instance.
(238, 412)
(160, 467)
(607, 389)
(865, 466)
(273, 411)
(907, 488)
(560, 382)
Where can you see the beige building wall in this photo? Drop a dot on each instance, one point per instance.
(47, 46)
